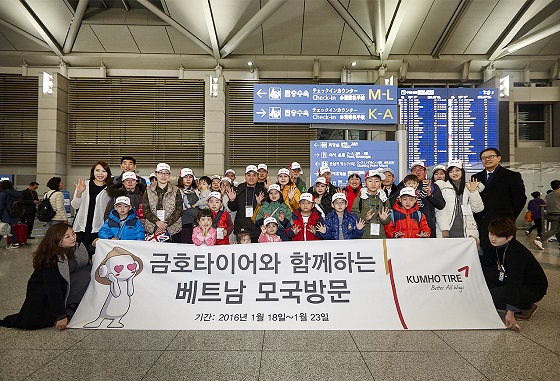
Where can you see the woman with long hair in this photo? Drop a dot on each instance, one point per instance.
(90, 200)
(289, 190)
(187, 184)
(58, 283)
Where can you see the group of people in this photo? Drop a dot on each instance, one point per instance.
(216, 210)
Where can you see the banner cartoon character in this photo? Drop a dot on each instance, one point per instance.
(117, 270)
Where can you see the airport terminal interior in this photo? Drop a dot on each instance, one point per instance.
(175, 81)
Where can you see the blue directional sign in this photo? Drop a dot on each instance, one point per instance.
(345, 157)
(329, 104)
(326, 113)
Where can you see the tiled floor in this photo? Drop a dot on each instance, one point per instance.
(533, 354)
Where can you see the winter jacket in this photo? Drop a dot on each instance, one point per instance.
(410, 222)
(82, 205)
(190, 198)
(119, 190)
(304, 233)
(57, 203)
(238, 205)
(535, 207)
(301, 185)
(446, 216)
(366, 201)
(200, 240)
(224, 223)
(7, 198)
(324, 206)
(273, 208)
(349, 230)
(294, 203)
(265, 238)
(171, 201)
(130, 229)
(351, 195)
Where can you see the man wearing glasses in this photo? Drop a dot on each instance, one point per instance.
(503, 196)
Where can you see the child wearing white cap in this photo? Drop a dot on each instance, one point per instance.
(339, 223)
(305, 220)
(373, 205)
(406, 220)
(123, 223)
(274, 206)
(268, 231)
(187, 184)
(221, 218)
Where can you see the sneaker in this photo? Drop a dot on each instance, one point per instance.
(538, 244)
(527, 233)
(526, 315)
(12, 246)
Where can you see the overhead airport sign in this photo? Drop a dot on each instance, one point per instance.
(332, 104)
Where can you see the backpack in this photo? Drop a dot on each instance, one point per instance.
(17, 210)
(45, 211)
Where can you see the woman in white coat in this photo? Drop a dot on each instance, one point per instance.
(90, 200)
(462, 199)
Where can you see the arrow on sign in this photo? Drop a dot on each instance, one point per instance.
(315, 145)
(465, 269)
(262, 113)
(316, 163)
(260, 94)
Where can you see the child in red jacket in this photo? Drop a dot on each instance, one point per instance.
(221, 219)
(305, 220)
(407, 221)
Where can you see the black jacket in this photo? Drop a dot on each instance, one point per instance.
(238, 205)
(29, 197)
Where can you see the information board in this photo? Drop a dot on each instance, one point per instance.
(445, 124)
(356, 104)
(351, 156)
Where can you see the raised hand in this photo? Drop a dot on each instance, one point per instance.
(231, 194)
(360, 224)
(292, 193)
(423, 234)
(384, 213)
(296, 229)
(80, 187)
(369, 214)
(312, 229)
(473, 184)
(322, 228)
(259, 197)
(398, 234)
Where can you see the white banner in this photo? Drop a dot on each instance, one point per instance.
(395, 284)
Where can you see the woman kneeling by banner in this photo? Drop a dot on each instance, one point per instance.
(57, 285)
(517, 280)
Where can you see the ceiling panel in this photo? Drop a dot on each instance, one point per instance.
(181, 44)
(551, 47)
(191, 16)
(55, 15)
(414, 17)
(282, 31)
(124, 43)
(12, 15)
(4, 43)
(322, 29)
(230, 16)
(87, 41)
(151, 39)
(434, 24)
(21, 42)
(351, 44)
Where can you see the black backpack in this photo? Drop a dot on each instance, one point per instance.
(17, 210)
(45, 211)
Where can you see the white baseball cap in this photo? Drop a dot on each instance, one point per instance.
(295, 165)
(122, 200)
(163, 167)
(275, 187)
(230, 171)
(339, 196)
(455, 163)
(283, 171)
(387, 170)
(324, 169)
(420, 163)
(225, 179)
(269, 220)
(129, 175)
(215, 177)
(409, 191)
(250, 168)
(439, 166)
(306, 196)
(217, 195)
(186, 171)
(321, 180)
(262, 166)
(374, 172)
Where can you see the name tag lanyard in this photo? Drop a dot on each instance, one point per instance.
(501, 267)
(249, 208)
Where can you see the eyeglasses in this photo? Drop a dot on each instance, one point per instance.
(489, 157)
(163, 173)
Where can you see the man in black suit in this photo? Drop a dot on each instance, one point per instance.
(503, 196)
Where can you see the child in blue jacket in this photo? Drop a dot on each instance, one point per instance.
(339, 220)
(123, 223)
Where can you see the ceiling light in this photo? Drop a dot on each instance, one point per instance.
(249, 63)
(353, 63)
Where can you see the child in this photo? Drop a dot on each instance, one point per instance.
(305, 220)
(269, 229)
(123, 223)
(215, 183)
(243, 236)
(407, 221)
(221, 219)
(204, 234)
(274, 206)
(322, 197)
(203, 191)
(373, 206)
(339, 223)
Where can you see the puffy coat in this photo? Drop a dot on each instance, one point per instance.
(349, 229)
(272, 207)
(57, 203)
(225, 223)
(362, 205)
(304, 233)
(294, 203)
(445, 216)
(411, 222)
(351, 195)
(130, 230)
(117, 190)
(7, 198)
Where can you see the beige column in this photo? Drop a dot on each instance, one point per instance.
(52, 133)
(214, 128)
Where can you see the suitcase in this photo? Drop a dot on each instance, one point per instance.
(21, 232)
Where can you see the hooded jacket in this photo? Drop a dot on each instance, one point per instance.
(7, 198)
(408, 221)
(304, 233)
(349, 229)
(130, 229)
(118, 190)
